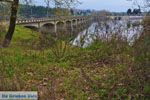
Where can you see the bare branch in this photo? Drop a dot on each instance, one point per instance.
(6, 1)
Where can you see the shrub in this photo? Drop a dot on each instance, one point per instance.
(142, 57)
(60, 50)
(3, 27)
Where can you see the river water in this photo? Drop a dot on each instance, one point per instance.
(128, 29)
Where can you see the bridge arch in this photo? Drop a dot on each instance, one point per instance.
(68, 22)
(74, 21)
(74, 24)
(60, 26)
(69, 26)
(48, 28)
(78, 21)
(35, 28)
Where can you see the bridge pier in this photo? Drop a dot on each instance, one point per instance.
(39, 26)
(69, 27)
(55, 28)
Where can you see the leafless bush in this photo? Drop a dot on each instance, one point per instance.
(3, 27)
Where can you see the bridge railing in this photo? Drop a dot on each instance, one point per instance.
(35, 20)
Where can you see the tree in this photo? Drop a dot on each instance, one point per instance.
(144, 4)
(13, 17)
(72, 11)
(4, 10)
(64, 4)
(129, 11)
(137, 11)
(27, 2)
(47, 4)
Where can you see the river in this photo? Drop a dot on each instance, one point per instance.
(127, 29)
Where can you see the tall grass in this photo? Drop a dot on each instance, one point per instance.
(3, 29)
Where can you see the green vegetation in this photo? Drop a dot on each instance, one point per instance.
(32, 11)
(104, 71)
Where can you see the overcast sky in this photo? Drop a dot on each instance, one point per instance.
(111, 5)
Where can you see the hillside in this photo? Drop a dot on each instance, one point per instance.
(105, 70)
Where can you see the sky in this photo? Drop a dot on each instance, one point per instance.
(110, 5)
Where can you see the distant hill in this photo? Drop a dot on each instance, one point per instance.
(29, 11)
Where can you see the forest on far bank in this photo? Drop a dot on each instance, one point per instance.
(33, 11)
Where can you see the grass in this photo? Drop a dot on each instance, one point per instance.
(103, 71)
(22, 33)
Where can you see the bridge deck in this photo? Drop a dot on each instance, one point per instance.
(36, 20)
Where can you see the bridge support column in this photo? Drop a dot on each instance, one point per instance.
(55, 28)
(39, 26)
(72, 26)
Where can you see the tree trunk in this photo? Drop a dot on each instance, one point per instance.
(47, 9)
(47, 12)
(13, 17)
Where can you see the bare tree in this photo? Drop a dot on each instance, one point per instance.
(6, 0)
(48, 5)
(27, 2)
(144, 4)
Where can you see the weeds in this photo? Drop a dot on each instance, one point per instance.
(105, 70)
(60, 49)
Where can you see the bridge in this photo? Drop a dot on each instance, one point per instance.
(56, 24)
(130, 18)
(61, 23)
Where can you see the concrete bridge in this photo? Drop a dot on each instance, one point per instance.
(130, 18)
(56, 24)
(69, 23)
